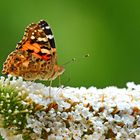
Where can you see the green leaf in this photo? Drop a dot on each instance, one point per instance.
(1, 138)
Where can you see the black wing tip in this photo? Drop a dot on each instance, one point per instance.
(45, 26)
(43, 22)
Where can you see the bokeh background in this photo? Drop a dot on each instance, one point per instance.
(108, 30)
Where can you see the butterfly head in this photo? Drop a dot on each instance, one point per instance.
(58, 70)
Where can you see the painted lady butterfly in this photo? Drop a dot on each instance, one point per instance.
(35, 55)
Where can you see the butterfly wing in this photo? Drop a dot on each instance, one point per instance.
(35, 55)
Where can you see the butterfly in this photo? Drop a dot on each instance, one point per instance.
(35, 55)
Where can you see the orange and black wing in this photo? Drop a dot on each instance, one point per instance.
(35, 53)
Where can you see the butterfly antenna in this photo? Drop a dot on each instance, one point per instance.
(74, 59)
(69, 61)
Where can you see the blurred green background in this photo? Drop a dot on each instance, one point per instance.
(108, 30)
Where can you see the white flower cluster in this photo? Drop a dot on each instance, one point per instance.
(79, 113)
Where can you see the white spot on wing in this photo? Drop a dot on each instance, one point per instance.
(47, 27)
(45, 51)
(42, 39)
(32, 37)
(50, 36)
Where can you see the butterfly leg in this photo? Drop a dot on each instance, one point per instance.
(59, 81)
